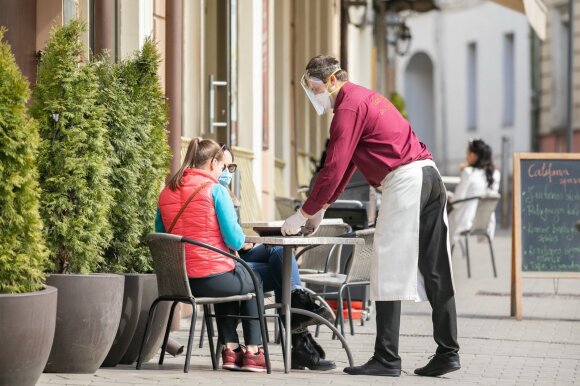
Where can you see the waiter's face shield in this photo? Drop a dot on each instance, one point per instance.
(315, 89)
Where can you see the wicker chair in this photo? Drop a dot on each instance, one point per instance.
(358, 272)
(323, 258)
(168, 252)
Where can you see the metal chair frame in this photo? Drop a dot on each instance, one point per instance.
(358, 274)
(173, 286)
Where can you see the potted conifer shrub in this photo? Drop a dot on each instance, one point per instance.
(27, 308)
(136, 120)
(75, 202)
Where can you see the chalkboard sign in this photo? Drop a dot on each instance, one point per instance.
(550, 194)
(546, 196)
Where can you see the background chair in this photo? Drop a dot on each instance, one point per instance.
(168, 253)
(358, 270)
(286, 206)
(485, 208)
(322, 258)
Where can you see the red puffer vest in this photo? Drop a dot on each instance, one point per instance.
(198, 221)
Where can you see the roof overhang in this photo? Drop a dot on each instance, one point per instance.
(535, 11)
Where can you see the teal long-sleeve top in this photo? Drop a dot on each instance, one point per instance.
(226, 215)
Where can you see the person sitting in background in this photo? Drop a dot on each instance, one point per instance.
(210, 217)
(478, 177)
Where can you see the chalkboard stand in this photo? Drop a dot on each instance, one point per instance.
(517, 274)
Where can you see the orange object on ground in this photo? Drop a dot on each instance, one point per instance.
(357, 310)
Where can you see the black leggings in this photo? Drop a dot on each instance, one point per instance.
(235, 282)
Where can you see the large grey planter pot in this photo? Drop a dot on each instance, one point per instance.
(132, 297)
(26, 333)
(157, 326)
(88, 314)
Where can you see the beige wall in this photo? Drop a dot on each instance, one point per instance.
(159, 36)
(48, 14)
(317, 32)
(193, 68)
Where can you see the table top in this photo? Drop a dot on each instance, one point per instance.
(304, 240)
(278, 223)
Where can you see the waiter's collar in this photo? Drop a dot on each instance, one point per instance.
(340, 96)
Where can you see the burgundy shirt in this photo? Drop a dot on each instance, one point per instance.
(369, 133)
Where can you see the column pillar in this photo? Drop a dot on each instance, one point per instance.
(173, 74)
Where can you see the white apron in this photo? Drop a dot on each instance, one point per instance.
(395, 274)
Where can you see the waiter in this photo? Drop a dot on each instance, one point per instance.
(411, 259)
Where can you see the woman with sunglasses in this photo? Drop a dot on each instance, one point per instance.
(267, 262)
(210, 217)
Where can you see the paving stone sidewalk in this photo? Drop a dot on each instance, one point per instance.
(543, 349)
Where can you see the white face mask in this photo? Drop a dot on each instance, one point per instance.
(324, 101)
(319, 107)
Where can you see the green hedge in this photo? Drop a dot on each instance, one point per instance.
(74, 154)
(136, 119)
(22, 250)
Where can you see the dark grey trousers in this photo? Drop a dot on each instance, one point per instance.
(434, 266)
(235, 282)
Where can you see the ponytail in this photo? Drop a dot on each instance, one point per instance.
(198, 153)
(175, 180)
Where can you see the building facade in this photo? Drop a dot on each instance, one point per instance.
(551, 80)
(230, 68)
(465, 77)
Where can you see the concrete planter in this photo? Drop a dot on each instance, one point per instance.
(157, 327)
(89, 310)
(132, 297)
(26, 331)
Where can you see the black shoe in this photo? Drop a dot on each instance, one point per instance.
(306, 355)
(374, 367)
(302, 299)
(439, 365)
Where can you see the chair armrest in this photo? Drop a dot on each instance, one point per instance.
(334, 246)
(464, 200)
(352, 204)
(257, 288)
(306, 249)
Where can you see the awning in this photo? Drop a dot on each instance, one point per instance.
(535, 11)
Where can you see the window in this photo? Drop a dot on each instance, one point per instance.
(69, 11)
(471, 87)
(508, 80)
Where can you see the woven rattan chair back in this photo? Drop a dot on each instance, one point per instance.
(315, 258)
(359, 266)
(168, 253)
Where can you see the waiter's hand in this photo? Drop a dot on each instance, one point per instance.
(314, 221)
(293, 223)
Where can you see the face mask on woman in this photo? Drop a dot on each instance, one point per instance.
(225, 178)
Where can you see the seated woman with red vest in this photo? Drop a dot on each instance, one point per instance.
(210, 218)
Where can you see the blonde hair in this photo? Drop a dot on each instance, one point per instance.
(199, 152)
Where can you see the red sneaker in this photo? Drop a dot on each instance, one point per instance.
(232, 360)
(254, 362)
